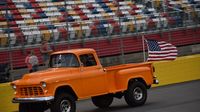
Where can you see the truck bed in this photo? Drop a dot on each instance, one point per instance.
(124, 66)
(118, 75)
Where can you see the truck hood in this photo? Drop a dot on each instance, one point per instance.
(47, 75)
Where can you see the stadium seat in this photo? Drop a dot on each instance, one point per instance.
(20, 37)
(16, 29)
(63, 33)
(131, 26)
(94, 31)
(72, 33)
(3, 40)
(3, 24)
(38, 39)
(35, 16)
(9, 17)
(124, 27)
(55, 34)
(102, 29)
(15, 12)
(12, 39)
(46, 35)
(70, 19)
(2, 18)
(151, 24)
(86, 31)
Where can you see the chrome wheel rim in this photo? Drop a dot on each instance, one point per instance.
(65, 106)
(138, 94)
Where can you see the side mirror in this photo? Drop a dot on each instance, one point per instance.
(81, 64)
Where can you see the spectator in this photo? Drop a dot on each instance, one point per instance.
(45, 50)
(32, 62)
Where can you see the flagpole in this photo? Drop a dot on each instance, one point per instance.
(143, 46)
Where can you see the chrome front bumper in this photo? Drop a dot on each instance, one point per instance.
(35, 99)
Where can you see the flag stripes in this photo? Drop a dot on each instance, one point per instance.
(161, 50)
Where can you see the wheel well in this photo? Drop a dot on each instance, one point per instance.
(139, 80)
(66, 89)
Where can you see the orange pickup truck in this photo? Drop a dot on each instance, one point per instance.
(77, 74)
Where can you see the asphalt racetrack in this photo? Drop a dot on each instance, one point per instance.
(182, 97)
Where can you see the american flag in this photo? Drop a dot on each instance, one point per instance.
(161, 50)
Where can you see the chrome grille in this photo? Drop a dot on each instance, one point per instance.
(31, 91)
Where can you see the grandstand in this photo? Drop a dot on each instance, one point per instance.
(112, 27)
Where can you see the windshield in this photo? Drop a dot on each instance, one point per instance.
(64, 60)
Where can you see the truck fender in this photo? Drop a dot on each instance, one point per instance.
(132, 74)
(65, 89)
(135, 79)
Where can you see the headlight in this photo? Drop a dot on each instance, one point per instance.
(14, 86)
(43, 84)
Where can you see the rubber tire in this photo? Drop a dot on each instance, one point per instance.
(32, 107)
(129, 97)
(55, 106)
(103, 101)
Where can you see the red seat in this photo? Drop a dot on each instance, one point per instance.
(61, 19)
(171, 20)
(132, 12)
(17, 17)
(151, 23)
(164, 14)
(12, 23)
(75, 24)
(84, 17)
(32, 1)
(64, 13)
(89, 6)
(111, 21)
(35, 16)
(42, 27)
(20, 37)
(94, 30)
(9, 1)
(75, 7)
(116, 27)
(96, 22)
(63, 33)
(80, 12)
(2, 7)
(105, 1)
(119, 13)
(35, 5)
(12, 7)
(134, 7)
(2, 18)
(16, 29)
(15, 12)
(38, 10)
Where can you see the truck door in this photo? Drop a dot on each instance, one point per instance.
(93, 76)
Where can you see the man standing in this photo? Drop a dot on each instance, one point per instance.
(45, 50)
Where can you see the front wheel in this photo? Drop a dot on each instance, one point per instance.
(136, 94)
(63, 103)
(103, 101)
